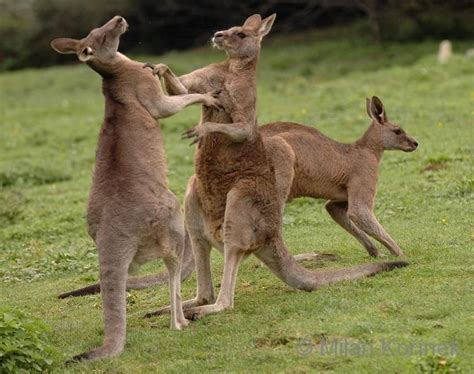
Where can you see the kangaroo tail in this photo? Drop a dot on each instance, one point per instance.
(284, 266)
(138, 283)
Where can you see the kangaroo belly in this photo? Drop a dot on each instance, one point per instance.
(221, 165)
(320, 169)
(311, 187)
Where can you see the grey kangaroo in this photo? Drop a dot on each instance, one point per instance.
(132, 215)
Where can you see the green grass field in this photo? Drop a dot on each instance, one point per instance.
(50, 119)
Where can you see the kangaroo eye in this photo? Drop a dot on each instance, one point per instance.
(241, 35)
(397, 131)
(104, 39)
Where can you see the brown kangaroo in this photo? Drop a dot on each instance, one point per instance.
(132, 215)
(345, 174)
(233, 202)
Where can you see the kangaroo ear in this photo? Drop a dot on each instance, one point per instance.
(367, 106)
(86, 54)
(266, 25)
(64, 45)
(253, 21)
(376, 110)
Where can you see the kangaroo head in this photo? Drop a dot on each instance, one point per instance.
(391, 135)
(244, 41)
(99, 48)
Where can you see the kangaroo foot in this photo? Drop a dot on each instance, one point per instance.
(196, 313)
(186, 305)
(96, 354)
(179, 325)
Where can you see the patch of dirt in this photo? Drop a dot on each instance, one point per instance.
(434, 167)
(273, 341)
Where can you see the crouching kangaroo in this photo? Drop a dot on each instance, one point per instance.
(233, 201)
(132, 215)
(345, 174)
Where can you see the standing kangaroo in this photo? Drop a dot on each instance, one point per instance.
(233, 201)
(132, 215)
(345, 174)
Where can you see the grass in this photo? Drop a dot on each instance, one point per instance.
(49, 124)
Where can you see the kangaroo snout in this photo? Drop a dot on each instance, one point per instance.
(217, 39)
(413, 145)
(121, 22)
(413, 142)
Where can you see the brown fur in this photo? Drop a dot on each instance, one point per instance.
(345, 174)
(132, 215)
(233, 202)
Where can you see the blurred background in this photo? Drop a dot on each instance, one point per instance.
(27, 26)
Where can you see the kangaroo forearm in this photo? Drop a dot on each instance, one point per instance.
(197, 81)
(173, 85)
(170, 105)
(237, 131)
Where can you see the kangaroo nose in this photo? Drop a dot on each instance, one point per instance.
(415, 143)
(218, 34)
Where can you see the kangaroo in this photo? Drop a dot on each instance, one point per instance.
(345, 174)
(132, 216)
(233, 201)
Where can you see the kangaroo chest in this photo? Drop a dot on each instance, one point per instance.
(130, 168)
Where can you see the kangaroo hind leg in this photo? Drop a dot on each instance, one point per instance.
(115, 256)
(338, 212)
(201, 247)
(239, 239)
